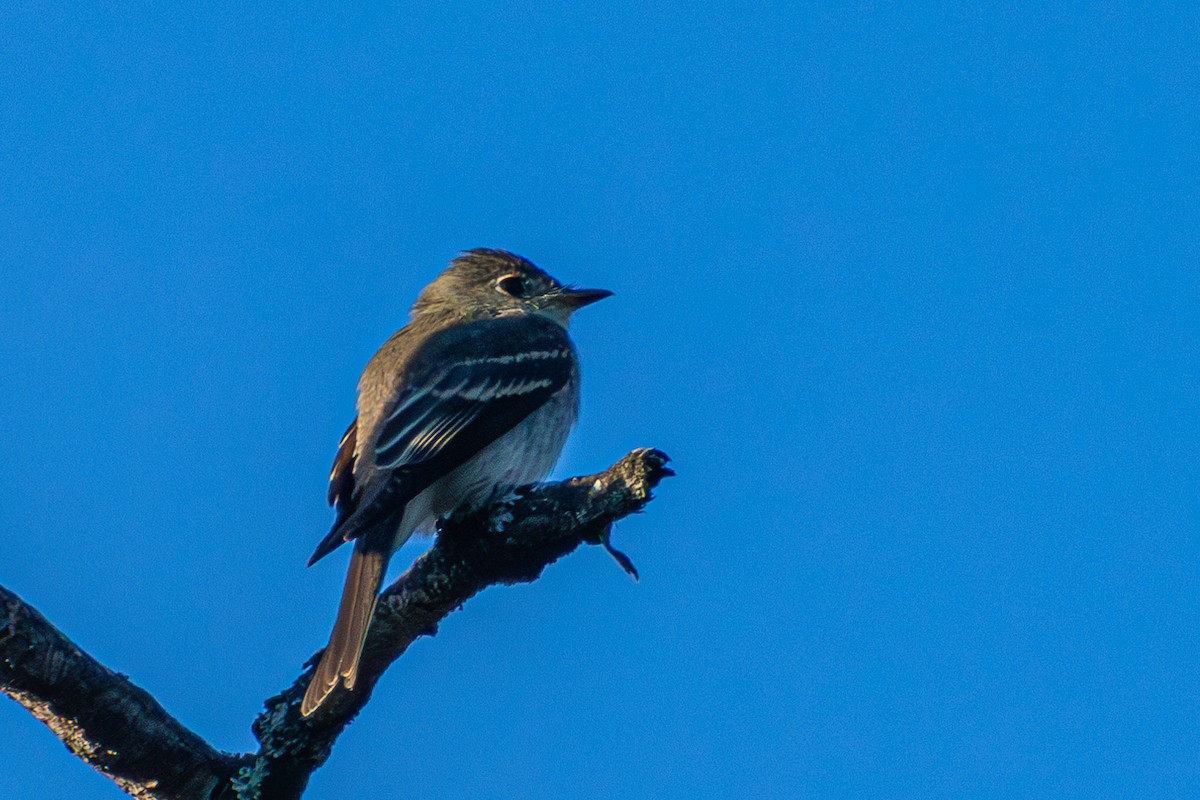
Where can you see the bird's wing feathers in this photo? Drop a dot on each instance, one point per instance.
(469, 405)
(464, 388)
(341, 477)
(343, 493)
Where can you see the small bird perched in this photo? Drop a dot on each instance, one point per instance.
(476, 394)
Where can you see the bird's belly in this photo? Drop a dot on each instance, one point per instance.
(525, 454)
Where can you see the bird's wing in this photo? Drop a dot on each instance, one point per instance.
(341, 477)
(343, 492)
(464, 388)
(464, 406)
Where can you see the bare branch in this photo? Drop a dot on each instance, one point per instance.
(509, 542)
(124, 733)
(100, 715)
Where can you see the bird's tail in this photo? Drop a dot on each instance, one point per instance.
(340, 659)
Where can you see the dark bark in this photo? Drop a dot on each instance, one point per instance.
(124, 733)
(100, 715)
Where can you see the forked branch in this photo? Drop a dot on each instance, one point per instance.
(125, 734)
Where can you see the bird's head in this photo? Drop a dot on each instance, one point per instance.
(482, 284)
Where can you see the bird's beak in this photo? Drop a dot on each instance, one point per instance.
(575, 299)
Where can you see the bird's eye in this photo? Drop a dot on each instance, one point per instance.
(511, 285)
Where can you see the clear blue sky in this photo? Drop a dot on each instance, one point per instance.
(909, 292)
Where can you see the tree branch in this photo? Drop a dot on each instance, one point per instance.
(124, 733)
(101, 716)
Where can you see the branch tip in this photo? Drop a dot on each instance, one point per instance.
(123, 732)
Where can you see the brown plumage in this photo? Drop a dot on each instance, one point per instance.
(477, 393)
(341, 657)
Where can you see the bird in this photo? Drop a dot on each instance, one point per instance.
(477, 394)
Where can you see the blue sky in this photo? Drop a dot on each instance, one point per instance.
(908, 291)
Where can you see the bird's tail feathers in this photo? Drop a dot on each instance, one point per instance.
(341, 656)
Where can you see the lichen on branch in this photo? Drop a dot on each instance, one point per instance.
(123, 732)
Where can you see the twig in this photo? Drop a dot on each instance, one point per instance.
(124, 733)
